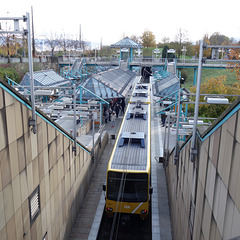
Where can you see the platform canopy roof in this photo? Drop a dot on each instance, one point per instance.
(166, 86)
(110, 84)
(48, 78)
(126, 43)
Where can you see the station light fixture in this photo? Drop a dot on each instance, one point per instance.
(167, 102)
(188, 126)
(220, 100)
(199, 122)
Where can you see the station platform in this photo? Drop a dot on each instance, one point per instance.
(89, 217)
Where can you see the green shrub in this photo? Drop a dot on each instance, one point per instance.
(11, 73)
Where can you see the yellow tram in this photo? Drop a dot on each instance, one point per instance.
(128, 183)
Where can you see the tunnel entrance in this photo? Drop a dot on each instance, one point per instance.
(146, 73)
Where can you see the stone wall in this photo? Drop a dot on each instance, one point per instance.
(205, 195)
(44, 162)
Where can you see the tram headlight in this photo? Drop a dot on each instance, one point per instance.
(109, 209)
(144, 211)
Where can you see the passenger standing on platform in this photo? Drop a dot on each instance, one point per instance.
(163, 118)
(113, 118)
(123, 105)
(106, 115)
(110, 113)
(111, 104)
(117, 109)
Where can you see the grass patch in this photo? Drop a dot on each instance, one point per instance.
(207, 73)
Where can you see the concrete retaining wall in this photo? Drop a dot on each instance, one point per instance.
(205, 196)
(44, 160)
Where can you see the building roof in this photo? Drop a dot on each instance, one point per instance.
(113, 83)
(166, 86)
(126, 43)
(45, 78)
(100, 89)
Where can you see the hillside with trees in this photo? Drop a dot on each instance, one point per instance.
(64, 45)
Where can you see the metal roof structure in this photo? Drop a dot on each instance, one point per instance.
(166, 86)
(48, 78)
(113, 83)
(100, 89)
(126, 43)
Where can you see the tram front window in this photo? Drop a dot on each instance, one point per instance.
(129, 187)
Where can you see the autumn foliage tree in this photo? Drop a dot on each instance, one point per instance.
(10, 45)
(148, 39)
(215, 86)
(234, 67)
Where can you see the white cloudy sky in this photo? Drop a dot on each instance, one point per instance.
(113, 19)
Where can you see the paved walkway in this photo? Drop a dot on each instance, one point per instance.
(161, 224)
(89, 217)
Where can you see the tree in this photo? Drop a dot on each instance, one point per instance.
(165, 40)
(75, 44)
(214, 86)
(164, 52)
(148, 39)
(206, 52)
(107, 51)
(234, 67)
(64, 43)
(135, 38)
(180, 39)
(219, 39)
(52, 42)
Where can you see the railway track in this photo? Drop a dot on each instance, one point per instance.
(125, 228)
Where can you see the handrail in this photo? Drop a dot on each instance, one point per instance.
(12, 82)
(26, 103)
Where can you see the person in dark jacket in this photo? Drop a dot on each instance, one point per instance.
(117, 109)
(123, 104)
(163, 118)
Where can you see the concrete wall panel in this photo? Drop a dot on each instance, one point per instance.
(216, 195)
(44, 159)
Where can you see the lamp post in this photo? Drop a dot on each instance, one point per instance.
(32, 122)
(193, 143)
(74, 120)
(176, 156)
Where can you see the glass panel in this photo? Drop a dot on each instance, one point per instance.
(133, 189)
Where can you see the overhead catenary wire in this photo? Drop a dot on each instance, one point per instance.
(121, 189)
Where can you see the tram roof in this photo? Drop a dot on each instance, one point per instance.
(133, 156)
